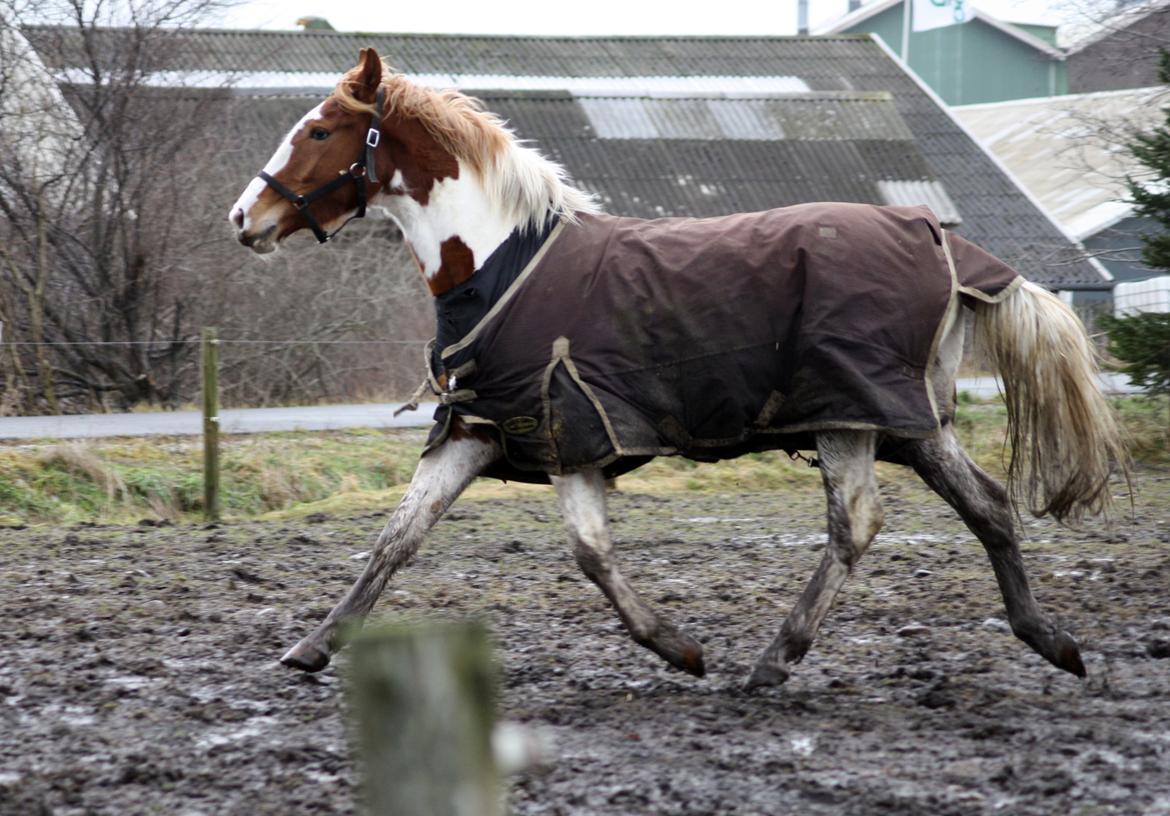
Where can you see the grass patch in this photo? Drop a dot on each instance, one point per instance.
(128, 479)
(1147, 421)
(344, 472)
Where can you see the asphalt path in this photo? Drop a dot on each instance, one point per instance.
(237, 421)
(308, 418)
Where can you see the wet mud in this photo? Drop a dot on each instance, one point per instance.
(140, 674)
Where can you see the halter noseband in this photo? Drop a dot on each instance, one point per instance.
(358, 173)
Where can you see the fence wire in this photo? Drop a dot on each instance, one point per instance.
(222, 342)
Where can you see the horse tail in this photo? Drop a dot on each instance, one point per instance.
(1065, 439)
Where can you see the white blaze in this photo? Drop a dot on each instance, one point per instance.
(279, 159)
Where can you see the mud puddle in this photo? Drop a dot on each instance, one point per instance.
(140, 670)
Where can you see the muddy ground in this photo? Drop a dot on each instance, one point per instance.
(139, 669)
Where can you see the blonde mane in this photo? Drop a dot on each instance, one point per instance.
(523, 184)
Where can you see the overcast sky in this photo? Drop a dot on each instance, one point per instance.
(588, 17)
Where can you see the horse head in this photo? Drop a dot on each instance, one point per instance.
(452, 175)
(335, 159)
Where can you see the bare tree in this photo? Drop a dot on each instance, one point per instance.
(115, 180)
(1115, 44)
(91, 179)
(337, 322)
(345, 321)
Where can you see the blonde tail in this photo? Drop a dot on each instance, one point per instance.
(1064, 437)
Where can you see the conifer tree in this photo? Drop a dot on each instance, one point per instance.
(1152, 197)
(1142, 341)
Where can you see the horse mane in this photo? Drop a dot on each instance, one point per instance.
(518, 180)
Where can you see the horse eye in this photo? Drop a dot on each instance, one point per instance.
(319, 134)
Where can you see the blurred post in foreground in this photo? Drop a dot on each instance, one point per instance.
(424, 701)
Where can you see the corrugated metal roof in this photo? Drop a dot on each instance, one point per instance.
(1064, 149)
(1128, 59)
(899, 193)
(806, 117)
(641, 176)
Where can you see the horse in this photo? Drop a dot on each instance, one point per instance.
(480, 210)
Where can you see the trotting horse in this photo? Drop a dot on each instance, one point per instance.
(573, 345)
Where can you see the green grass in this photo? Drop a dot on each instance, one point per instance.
(1147, 421)
(342, 472)
(127, 479)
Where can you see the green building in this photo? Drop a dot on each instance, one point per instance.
(981, 60)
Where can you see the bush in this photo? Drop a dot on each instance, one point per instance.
(1142, 343)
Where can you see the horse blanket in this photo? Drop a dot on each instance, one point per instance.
(623, 339)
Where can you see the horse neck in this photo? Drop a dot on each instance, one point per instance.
(452, 230)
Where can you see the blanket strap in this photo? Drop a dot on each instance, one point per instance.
(456, 396)
(415, 398)
(431, 384)
(795, 454)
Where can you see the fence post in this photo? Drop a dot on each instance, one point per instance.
(424, 700)
(210, 361)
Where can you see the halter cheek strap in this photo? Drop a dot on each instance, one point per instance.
(358, 174)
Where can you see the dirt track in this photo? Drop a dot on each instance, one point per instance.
(140, 674)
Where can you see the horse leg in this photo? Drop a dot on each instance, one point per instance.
(854, 518)
(439, 479)
(983, 504)
(582, 501)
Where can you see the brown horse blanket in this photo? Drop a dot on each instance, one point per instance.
(624, 339)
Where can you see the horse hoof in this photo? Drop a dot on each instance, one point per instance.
(1056, 646)
(306, 658)
(765, 675)
(692, 662)
(1067, 655)
(677, 648)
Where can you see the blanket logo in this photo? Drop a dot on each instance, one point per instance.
(518, 426)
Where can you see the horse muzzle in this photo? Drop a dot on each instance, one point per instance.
(261, 242)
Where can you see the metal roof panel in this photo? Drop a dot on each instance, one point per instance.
(836, 150)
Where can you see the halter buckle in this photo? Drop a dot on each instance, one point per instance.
(357, 170)
(373, 137)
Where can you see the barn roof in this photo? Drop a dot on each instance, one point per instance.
(640, 121)
(696, 155)
(1123, 51)
(1066, 149)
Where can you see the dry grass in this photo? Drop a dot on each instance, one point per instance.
(84, 463)
(347, 472)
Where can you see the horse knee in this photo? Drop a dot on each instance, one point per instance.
(865, 518)
(868, 518)
(591, 559)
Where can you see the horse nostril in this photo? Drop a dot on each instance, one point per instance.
(237, 217)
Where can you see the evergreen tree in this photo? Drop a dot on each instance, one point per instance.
(1142, 341)
(1152, 200)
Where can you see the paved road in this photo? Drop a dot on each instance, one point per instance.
(309, 418)
(248, 420)
(985, 387)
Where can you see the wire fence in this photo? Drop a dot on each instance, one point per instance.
(262, 371)
(193, 340)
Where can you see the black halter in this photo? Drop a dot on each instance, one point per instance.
(358, 173)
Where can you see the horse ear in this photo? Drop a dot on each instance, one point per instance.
(369, 70)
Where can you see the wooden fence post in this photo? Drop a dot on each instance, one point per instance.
(210, 361)
(424, 699)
